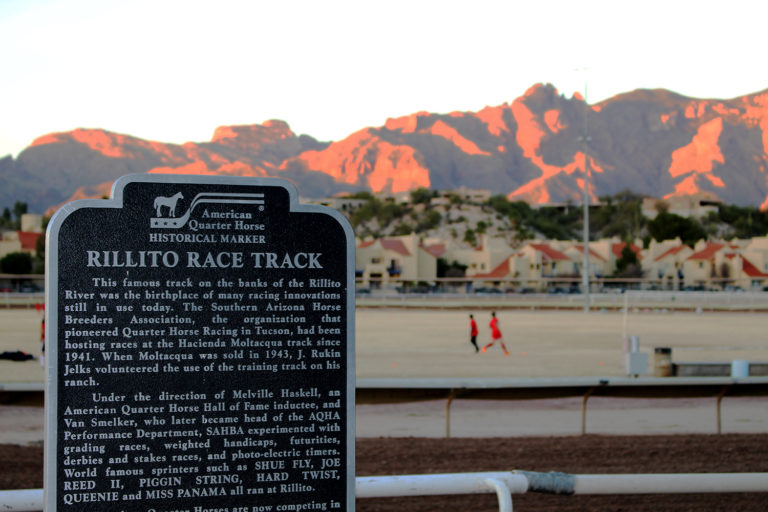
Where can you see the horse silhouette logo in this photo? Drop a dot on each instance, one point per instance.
(172, 221)
(169, 203)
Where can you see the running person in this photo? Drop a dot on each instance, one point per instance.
(473, 332)
(496, 334)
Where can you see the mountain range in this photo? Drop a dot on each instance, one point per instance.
(652, 142)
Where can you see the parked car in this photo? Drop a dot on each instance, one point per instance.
(488, 290)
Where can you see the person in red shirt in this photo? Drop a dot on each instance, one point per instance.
(42, 343)
(496, 334)
(473, 332)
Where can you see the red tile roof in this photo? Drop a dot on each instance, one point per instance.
(671, 252)
(436, 250)
(750, 269)
(29, 240)
(617, 248)
(592, 253)
(389, 245)
(396, 246)
(549, 252)
(707, 252)
(502, 270)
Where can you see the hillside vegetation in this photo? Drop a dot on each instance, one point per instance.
(619, 215)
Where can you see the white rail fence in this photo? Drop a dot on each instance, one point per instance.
(632, 299)
(505, 485)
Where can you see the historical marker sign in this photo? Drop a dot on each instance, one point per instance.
(201, 352)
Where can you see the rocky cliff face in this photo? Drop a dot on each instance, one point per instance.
(652, 142)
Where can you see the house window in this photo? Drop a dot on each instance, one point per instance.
(701, 264)
(482, 266)
(375, 260)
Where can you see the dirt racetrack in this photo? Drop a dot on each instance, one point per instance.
(574, 454)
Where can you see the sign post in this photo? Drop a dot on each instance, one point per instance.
(200, 349)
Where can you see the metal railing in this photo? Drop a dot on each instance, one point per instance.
(632, 299)
(401, 390)
(615, 300)
(505, 485)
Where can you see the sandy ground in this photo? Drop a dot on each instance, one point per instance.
(429, 343)
(435, 343)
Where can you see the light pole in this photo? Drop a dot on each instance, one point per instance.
(585, 139)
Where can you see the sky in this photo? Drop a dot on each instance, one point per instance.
(172, 71)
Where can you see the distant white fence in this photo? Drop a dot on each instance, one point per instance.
(631, 299)
(505, 485)
(21, 300)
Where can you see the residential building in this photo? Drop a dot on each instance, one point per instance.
(32, 223)
(598, 265)
(667, 266)
(610, 250)
(705, 264)
(18, 241)
(490, 252)
(538, 262)
(390, 260)
(694, 205)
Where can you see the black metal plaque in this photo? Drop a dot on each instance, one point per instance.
(201, 350)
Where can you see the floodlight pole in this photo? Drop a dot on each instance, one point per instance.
(585, 265)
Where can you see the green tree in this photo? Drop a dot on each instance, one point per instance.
(620, 215)
(38, 263)
(746, 222)
(19, 209)
(556, 224)
(430, 220)
(384, 212)
(454, 269)
(666, 226)
(500, 204)
(16, 263)
(628, 265)
(469, 236)
(422, 195)
(6, 219)
(403, 229)
(362, 194)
